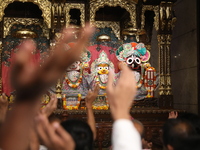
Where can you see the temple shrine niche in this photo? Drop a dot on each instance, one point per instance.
(124, 32)
(136, 56)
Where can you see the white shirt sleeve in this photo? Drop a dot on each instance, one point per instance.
(125, 136)
(42, 147)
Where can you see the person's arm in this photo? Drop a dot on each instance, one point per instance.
(15, 131)
(53, 136)
(34, 143)
(51, 106)
(121, 97)
(3, 107)
(91, 96)
(31, 81)
(125, 136)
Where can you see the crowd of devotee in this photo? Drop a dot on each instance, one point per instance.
(27, 127)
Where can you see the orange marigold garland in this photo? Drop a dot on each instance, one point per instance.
(71, 107)
(76, 84)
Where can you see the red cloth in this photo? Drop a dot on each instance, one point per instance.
(6, 70)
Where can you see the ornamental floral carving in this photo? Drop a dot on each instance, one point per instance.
(44, 5)
(95, 5)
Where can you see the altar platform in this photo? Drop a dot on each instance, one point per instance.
(152, 119)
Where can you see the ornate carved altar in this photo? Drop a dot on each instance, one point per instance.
(118, 22)
(152, 118)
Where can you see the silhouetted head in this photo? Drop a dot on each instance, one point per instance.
(179, 135)
(193, 119)
(80, 132)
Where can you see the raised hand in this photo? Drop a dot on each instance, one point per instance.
(91, 96)
(51, 106)
(30, 80)
(53, 136)
(121, 96)
(173, 115)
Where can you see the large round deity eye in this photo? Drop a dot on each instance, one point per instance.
(137, 60)
(106, 68)
(129, 60)
(99, 68)
(77, 62)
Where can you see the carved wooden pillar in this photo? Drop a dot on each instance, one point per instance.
(161, 46)
(58, 16)
(166, 24)
(78, 6)
(1, 48)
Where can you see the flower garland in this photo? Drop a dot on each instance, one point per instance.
(101, 84)
(76, 84)
(71, 107)
(103, 107)
(150, 76)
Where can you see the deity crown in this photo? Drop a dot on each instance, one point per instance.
(103, 59)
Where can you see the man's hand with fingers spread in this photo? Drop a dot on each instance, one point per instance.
(51, 106)
(53, 136)
(122, 95)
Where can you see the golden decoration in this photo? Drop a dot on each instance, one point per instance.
(44, 5)
(162, 64)
(130, 31)
(59, 89)
(115, 26)
(166, 24)
(156, 18)
(1, 47)
(164, 42)
(54, 10)
(79, 6)
(25, 33)
(103, 38)
(130, 6)
(148, 47)
(9, 22)
(71, 107)
(168, 65)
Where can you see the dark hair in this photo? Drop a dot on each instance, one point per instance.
(193, 119)
(80, 132)
(180, 134)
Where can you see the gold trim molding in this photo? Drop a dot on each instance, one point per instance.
(79, 6)
(9, 22)
(156, 18)
(44, 5)
(1, 47)
(115, 26)
(95, 5)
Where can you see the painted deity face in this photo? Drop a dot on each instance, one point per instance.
(133, 62)
(103, 69)
(74, 67)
